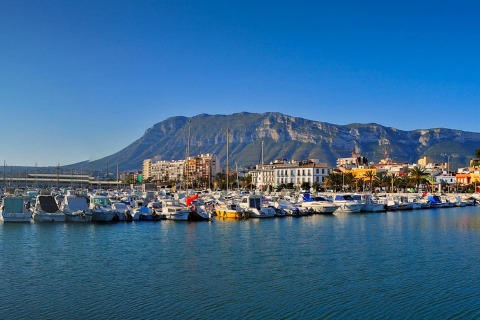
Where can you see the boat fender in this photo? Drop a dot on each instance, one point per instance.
(243, 215)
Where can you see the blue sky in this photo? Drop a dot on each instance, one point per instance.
(80, 80)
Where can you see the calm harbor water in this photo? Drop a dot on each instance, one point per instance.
(396, 265)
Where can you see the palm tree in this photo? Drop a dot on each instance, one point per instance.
(370, 176)
(419, 176)
(380, 177)
(349, 179)
(333, 180)
(391, 179)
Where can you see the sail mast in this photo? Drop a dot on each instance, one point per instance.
(226, 171)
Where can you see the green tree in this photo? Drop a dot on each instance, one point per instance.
(370, 176)
(305, 186)
(391, 180)
(477, 153)
(381, 179)
(333, 181)
(419, 176)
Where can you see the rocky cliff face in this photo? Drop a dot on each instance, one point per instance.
(291, 138)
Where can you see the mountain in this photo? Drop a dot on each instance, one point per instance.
(289, 137)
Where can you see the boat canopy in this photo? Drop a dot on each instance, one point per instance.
(13, 204)
(47, 204)
(77, 203)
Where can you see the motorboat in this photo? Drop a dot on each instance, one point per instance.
(198, 211)
(125, 212)
(369, 204)
(230, 210)
(76, 209)
(291, 209)
(102, 211)
(435, 201)
(174, 210)
(347, 204)
(15, 209)
(318, 204)
(253, 205)
(46, 210)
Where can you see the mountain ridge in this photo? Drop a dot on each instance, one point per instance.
(288, 137)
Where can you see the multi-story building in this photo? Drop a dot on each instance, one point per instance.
(301, 172)
(278, 173)
(193, 169)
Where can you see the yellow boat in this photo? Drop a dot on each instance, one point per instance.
(231, 212)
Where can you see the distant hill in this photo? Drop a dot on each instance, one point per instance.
(288, 137)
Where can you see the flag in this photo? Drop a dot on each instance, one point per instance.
(190, 199)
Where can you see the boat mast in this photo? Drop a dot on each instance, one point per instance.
(262, 156)
(186, 160)
(226, 171)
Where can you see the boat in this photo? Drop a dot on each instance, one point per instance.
(230, 210)
(347, 204)
(253, 205)
(403, 203)
(174, 210)
(155, 211)
(102, 211)
(291, 209)
(76, 209)
(14, 209)
(46, 210)
(435, 201)
(197, 211)
(124, 212)
(369, 203)
(318, 204)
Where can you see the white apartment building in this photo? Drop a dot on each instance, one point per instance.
(301, 172)
(283, 173)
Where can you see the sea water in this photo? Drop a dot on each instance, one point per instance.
(396, 265)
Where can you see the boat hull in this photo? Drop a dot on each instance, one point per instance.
(373, 207)
(349, 207)
(49, 217)
(232, 214)
(105, 216)
(197, 216)
(17, 217)
(78, 217)
(178, 216)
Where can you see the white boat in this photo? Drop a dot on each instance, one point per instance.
(198, 211)
(174, 210)
(76, 209)
(291, 209)
(346, 203)
(101, 208)
(47, 210)
(14, 209)
(369, 203)
(403, 203)
(124, 212)
(253, 205)
(318, 204)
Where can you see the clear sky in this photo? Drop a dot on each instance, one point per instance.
(80, 80)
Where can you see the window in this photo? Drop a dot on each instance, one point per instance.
(323, 171)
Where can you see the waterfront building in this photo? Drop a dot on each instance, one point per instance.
(263, 176)
(201, 167)
(309, 171)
